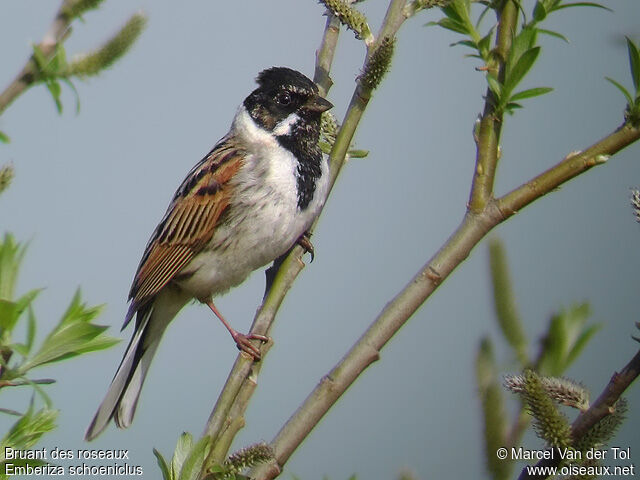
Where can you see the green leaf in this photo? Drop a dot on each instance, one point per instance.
(495, 86)
(10, 312)
(466, 43)
(31, 328)
(4, 138)
(530, 93)
(553, 34)
(162, 463)
(521, 68)
(185, 442)
(74, 335)
(453, 26)
(11, 255)
(634, 63)
(539, 12)
(580, 4)
(358, 153)
(624, 91)
(523, 42)
(28, 430)
(566, 338)
(39, 58)
(194, 461)
(484, 45)
(55, 89)
(452, 11)
(511, 106)
(70, 84)
(68, 342)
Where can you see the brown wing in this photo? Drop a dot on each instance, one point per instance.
(189, 222)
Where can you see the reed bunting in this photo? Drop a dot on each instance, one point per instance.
(242, 206)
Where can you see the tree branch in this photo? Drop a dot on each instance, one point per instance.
(27, 77)
(571, 166)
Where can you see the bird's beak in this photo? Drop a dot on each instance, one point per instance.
(318, 104)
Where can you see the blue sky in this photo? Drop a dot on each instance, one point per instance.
(90, 188)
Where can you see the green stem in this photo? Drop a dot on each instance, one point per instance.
(491, 121)
(568, 168)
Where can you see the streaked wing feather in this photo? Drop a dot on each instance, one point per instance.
(190, 220)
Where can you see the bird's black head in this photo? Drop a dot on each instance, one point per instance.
(287, 104)
(283, 99)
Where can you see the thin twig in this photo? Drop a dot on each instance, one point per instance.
(26, 78)
(491, 120)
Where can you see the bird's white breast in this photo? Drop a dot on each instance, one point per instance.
(263, 219)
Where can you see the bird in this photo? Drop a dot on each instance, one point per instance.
(245, 204)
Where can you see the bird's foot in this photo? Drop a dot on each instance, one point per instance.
(243, 342)
(305, 242)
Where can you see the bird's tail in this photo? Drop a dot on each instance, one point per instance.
(122, 397)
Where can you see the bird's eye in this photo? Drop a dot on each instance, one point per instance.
(283, 98)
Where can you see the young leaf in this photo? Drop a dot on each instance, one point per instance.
(521, 68)
(580, 4)
(74, 335)
(551, 33)
(70, 341)
(495, 86)
(523, 42)
(31, 329)
(530, 93)
(4, 138)
(185, 442)
(624, 91)
(634, 63)
(27, 431)
(55, 89)
(511, 106)
(11, 255)
(451, 25)
(194, 461)
(539, 12)
(162, 463)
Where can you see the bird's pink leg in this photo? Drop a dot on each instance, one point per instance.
(242, 341)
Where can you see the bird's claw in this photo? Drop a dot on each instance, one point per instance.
(305, 242)
(243, 342)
